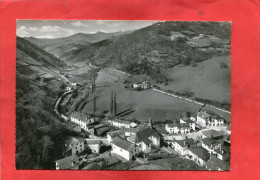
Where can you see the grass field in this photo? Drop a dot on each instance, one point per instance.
(145, 104)
(207, 80)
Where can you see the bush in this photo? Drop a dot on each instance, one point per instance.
(223, 65)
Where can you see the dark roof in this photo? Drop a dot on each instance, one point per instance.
(214, 164)
(100, 131)
(131, 130)
(93, 141)
(147, 141)
(185, 142)
(183, 125)
(122, 143)
(68, 162)
(144, 134)
(115, 133)
(92, 166)
(211, 133)
(200, 152)
(210, 141)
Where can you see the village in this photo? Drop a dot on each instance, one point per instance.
(117, 143)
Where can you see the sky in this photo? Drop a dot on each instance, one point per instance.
(61, 28)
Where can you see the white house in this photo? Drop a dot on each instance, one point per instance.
(141, 85)
(74, 146)
(206, 119)
(210, 145)
(178, 128)
(94, 145)
(199, 155)
(124, 148)
(122, 123)
(145, 139)
(181, 146)
(81, 119)
(190, 121)
(71, 162)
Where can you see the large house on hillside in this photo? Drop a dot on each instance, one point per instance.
(81, 119)
(206, 119)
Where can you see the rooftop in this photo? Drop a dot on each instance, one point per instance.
(78, 115)
(93, 141)
(200, 152)
(68, 162)
(211, 133)
(122, 143)
(185, 142)
(215, 164)
(142, 135)
(208, 115)
(209, 142)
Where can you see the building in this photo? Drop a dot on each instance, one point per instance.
(94, 145)
(71, 162)
(206, 119)
(119, 123)
(177, 128)
(176, 35)
(199, 155)
(181, 146)
(112, 134)
(74, 146)
(124, 148)
(129, 131)
(210, 144)
(72, 126)
(211, 133)
(141, 85)
(146, 139)
(81, 119)
(190, 121)
(215, 164)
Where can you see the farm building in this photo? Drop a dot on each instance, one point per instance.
(74, 146)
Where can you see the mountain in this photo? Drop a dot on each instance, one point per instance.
(153, 47)
(61, 47)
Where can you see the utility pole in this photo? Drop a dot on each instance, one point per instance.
(115, 104)
(94, 105)
(111, 103)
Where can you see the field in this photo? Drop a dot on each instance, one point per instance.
(146, 104)
(207, 80)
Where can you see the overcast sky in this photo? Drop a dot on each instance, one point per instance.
(63, 28)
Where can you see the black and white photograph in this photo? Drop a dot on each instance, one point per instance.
(123, 95)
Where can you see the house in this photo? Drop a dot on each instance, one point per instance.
(176, 35)
(211, 133)
(81, 119)
(129, 131)
(141, 85)
(74, 146)
(119, 123)
(68, 88)
(94, 145)
(190, 121)
(71, 162)
(199, 155)
(215, 164)
(178, 128)
(210, 144)
(112, 134)
(145, 139)
(181, 146)
(206, 119)
(124, 148)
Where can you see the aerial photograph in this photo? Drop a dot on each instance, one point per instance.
(123, 95)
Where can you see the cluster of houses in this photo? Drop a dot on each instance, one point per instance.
(129, 140)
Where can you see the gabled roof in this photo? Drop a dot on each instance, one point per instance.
(131, 130)
(215, 164)
(210, 141)
(183, 125)
(208, 115)
(185, 142)
(144, 134)
(68, 162)
(122, 143)
(200, 152)
(115, 133)
(211, 133)
(93, 141)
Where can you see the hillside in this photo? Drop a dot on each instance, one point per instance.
(62, 47)
(35, 61)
